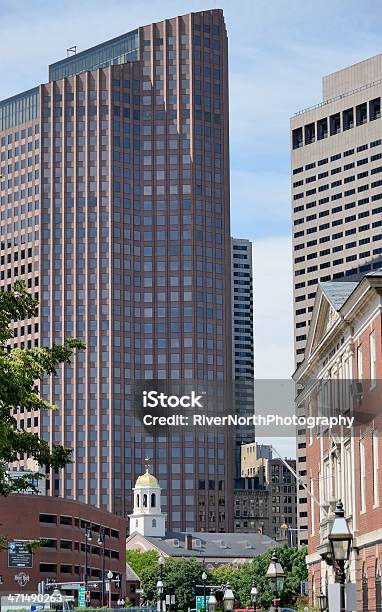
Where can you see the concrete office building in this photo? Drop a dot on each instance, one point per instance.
(242, 309)
(336, 198)
(242, 338)
(254, 459)
(115, 209)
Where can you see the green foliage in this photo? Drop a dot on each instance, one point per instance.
(21, 371)
(293, 562)
(129, 603)
(139, 561)
(239, 579)
(180, 574)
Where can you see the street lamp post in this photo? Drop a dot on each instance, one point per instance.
(101, 542)
(340, 540)
(160, 593)
(110, 578)
(228, 599)
(204, 580)
(254, 595)
(276, 576)
(170, 598)
(212, 603)
(160, 588)
(88, 538)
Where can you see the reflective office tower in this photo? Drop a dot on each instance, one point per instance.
(115, 207)
(242, 339)
(336, 198)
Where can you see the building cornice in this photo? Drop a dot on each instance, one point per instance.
(367, 539)
(313, 558)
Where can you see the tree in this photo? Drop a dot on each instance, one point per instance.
(179, 574)
(140, 561)
(293, 562)
(182, 574)
(240, 579)
(21, 371)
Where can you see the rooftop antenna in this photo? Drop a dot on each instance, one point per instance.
(71, 51)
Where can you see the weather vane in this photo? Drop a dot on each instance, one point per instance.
(147, 463)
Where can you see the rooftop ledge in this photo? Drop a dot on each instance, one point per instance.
(336, 98)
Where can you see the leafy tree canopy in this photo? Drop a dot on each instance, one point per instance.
(181, 574)
(139, 561)
(178, 573)
(21, 370)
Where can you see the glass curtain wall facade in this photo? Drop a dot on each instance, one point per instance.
(131, 251)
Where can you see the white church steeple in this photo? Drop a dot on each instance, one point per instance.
(147, 518)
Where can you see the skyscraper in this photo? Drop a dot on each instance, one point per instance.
(336, 193)
(242, 309)
(242, 339)
(115, 208)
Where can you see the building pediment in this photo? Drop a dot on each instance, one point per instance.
(330, 298)
(136, 541)
(327, 317)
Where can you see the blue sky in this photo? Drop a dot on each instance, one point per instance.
(279, 51)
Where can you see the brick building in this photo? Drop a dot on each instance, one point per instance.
(342, 371)
(61, 524)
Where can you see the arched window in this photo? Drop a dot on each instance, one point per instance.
(378, 587)
(137, 500)
(145, 500)
(153, 500)
(153, 523)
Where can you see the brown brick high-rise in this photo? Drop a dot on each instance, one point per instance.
(115, 208)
